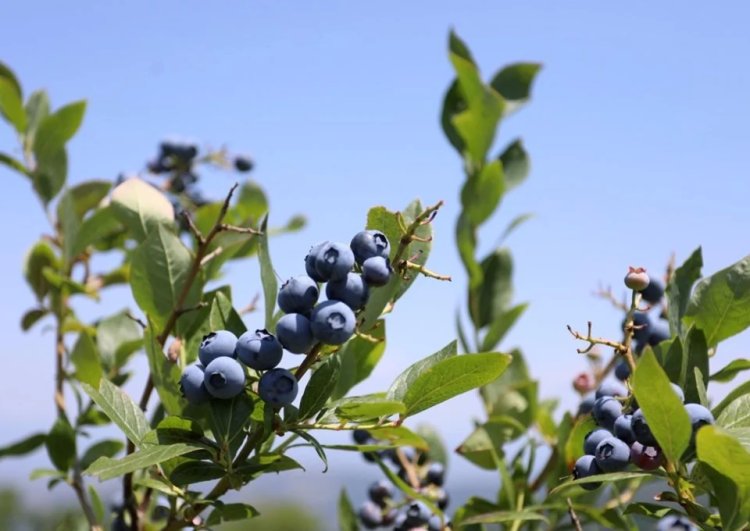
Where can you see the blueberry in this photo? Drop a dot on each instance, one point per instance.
(624, 429)
(641, 430)
(643, 324)
(637, 279)
(678, 391)
(611, 389)
(224, 377)
(586, 466)
(622, 371)
(606, 410)
(389, 517)
(433, 524)
(370, 515)
(191, 384)
(362, 437)
(586, 405)
(298, 295)
(259, 350)
(441, 498)
(310, 263)
(417, 514)
(243, 163)
(294, 333)
(593, 438)
(332, 322)
(278, 387)
(333, 261)
(675, 523)
(380, 492)
(436, 474)
(646, 457)
(215, 345)
(654, 292)
(369, 243)
(377, 271)
(657, 335)
(699, 417)
(612, 455)
(352, 291)
(399, 524)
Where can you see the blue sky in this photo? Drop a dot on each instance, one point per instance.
(637, 132)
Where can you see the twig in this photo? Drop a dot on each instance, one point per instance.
(595, 341)
(608, 295)
(574, 517)
(138, 320)
(183, 311)
(239, 230)
(423, 270)
(250, 308)
(408, 467)
(310, 358)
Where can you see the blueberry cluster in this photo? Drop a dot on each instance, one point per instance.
(622, 437)
(675, 523)
(332, 321)
(382, 509)
(219, 371)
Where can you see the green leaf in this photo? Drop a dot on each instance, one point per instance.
(320, 387)
(611, 477)
(466, 242)
(316, 445)
(720, 305)
(736, 414)
(482, 192)
(516, 167)
(229, 512)
(484, 445)
(727, 373)
(729, 472)
(69, 224)
(489, 300)
(223, 316)
(13, 164)
(504, 516)
(11, 105)
(475, 124)
(101, 224)
(740, 390)
(695, 358)
(514, 394)
(228, 417)
(513, 225)
(61, 444)
(406, 488)
(120, 408)
(8, 74)
(161, 268)
(452, 377)
(116, 337)
(358, 357)
(56, 129)
(37, 109)
(267, 275)
(40, 257)
(31, 317)
(191, 472)
(347, 516)
(105, 448)
(501, 325)
(405, 380)
(141, 207)
(106, 468)
(24, 446)
(359, 408)
(437, 451)
(85, 358)
(672, 358)
(50, 173)
(165, 374)
(514, 83)
(574, 443)
(679, 288)
(663, 409)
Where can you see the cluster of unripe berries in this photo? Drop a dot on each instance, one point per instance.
(332, 321)
(382, 509)
(623, 438)
(176, 156)
(219, 371)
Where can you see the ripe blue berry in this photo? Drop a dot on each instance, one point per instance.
(678, 391)
(294, 333)
(370, 515)
(259, 350)
(352, 291)
(586, 466)
(377, 271)
(298, 295)
(436, 474)
(622, 371)
(699, 417)
(675, 523)
(362, 437)
(586, 405)
(653, 292)
(215, 345)
(434, 523)
(658, 334)
(369, 243)
(611, 389)
(310, 263)
(380, 492)
(593, 438)
(612, 454)
(642, 325)
(624, 429)
(441, 498)
(641, 430)
(646, 457)
(605, 412)
(333, 261)
(417, 514)
(243, 163)
(224, 378)
(278, 387)
(332, 322)
(191, 384)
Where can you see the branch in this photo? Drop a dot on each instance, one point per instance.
(406, 264)
(595, 341)
(574, 517)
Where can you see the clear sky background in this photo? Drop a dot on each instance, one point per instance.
(637, 132)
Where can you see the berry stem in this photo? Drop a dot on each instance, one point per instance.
(573, 516)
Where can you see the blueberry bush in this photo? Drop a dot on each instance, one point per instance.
(235, 388)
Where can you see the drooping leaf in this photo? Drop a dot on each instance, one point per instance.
(316, 445)
(120, 408)
(141, 207)
(663, 409)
